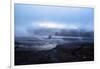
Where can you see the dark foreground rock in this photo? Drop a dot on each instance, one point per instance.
(62, 53)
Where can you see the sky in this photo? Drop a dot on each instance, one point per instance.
(27, 16)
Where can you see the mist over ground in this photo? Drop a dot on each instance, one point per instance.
(51, 34)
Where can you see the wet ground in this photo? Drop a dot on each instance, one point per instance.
(67, 52)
